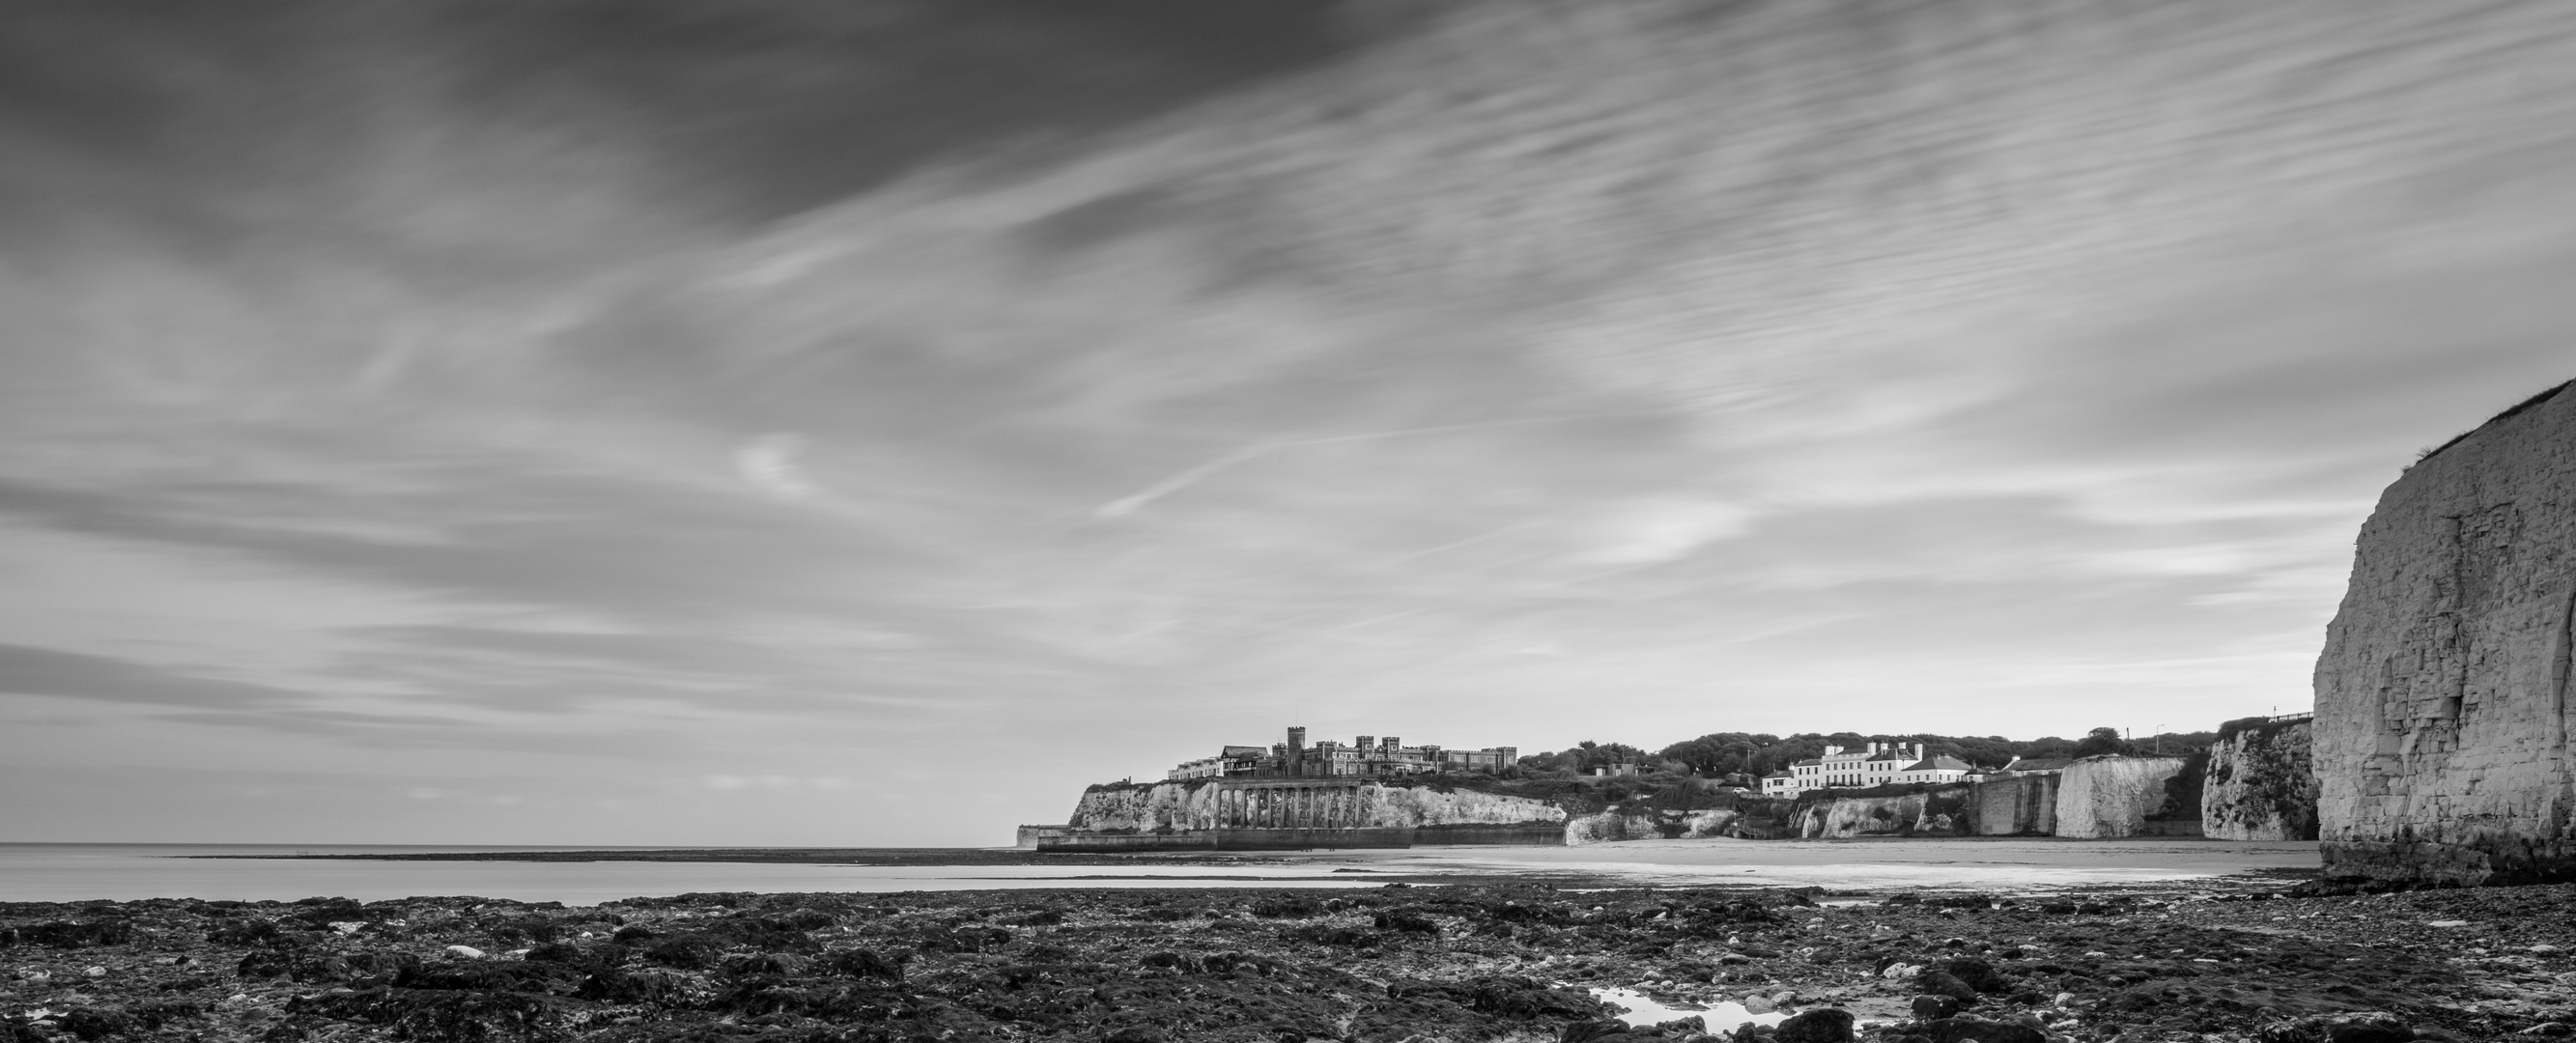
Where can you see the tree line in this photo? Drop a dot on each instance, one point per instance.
(1720, 754)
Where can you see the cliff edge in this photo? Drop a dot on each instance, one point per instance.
(2441, 727)
(2262, 782)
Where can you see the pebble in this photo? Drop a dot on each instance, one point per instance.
(466, 952)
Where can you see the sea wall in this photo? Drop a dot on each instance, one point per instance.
(2109, 796)
(2015, 807)
(2441, 736)
(2262, 783)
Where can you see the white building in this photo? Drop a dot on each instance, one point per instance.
(1935, 769)
(1878, 764)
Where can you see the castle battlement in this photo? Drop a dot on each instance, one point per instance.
(1368, 757)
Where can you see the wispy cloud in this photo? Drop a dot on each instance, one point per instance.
(697, 449)
(74, 675)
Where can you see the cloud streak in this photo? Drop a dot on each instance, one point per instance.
(76, 675)
(656, 435)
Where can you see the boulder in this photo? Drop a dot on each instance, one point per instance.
(1582, 1031)
(1943, 983)
(1821, 1025)
(1955, 1030)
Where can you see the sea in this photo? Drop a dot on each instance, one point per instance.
(125, 872)
(31, 872)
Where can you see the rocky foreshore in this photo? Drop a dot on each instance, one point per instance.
(1511, 961)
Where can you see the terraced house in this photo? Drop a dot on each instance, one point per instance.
(1878, 764)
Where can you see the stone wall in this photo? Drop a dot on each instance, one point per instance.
(2121, 797)
(2262, 783)
(2442, 706)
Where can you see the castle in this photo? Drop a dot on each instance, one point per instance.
(1371, 757)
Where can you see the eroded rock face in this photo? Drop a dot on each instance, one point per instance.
(1611, 826)
(1201, 805)
(2441, 728)
(2025, 806)
(1939, 812)
(2262, 783)
(2118, 797)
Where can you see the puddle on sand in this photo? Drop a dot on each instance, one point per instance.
(1644, 1011)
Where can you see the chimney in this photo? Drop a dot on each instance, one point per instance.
(1918, 751)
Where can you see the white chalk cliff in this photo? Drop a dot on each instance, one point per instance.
(2442, 703)
(2262, 784)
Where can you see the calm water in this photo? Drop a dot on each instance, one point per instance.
(74, 872)
(2002, 864)
(1642, 1011)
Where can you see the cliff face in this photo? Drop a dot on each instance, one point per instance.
(2022, 807)
(2261, 785)
(1417, 806)
(2121, 797)
(1196, 805)
(1940, 812)
(1610, 826)
(2442, 706)
(1145, 809)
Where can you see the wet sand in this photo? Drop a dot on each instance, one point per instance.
(2002, 864)
(588, 877)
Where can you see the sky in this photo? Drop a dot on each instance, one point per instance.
(824, 424)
